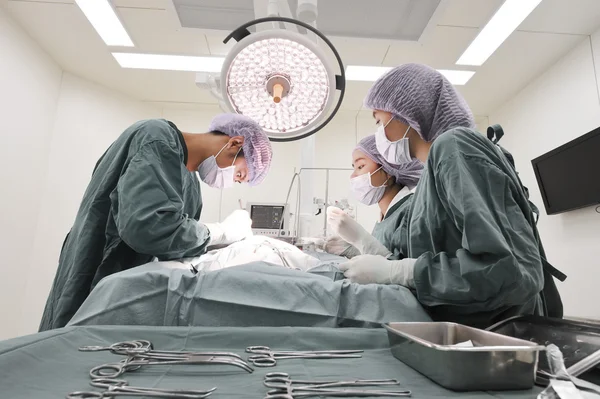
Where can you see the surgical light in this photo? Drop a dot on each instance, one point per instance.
(282, 80)
(508, 17)
(105, 21)
(372, 73)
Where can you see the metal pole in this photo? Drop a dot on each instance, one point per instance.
(326, 187)
(326, 202)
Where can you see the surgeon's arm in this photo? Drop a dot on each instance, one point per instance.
(148, 206)
(499, 263)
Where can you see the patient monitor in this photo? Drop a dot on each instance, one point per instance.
(269, 219)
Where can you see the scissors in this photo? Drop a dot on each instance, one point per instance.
(265, 357)
(285, 389)
(121, 388)
(134, 362)
(145, 347)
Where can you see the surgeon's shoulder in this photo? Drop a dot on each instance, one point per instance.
(153, 130)
(459, 142)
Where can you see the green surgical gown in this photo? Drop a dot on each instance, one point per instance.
(392, 230)
(472, 232)
(141, 203)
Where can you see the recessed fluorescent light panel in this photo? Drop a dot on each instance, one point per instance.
(365, 73)
(508, 18)
(169, 62)
(104, 19)
(457, 78)
(372, 73)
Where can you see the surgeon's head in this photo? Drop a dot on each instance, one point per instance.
(374, 177)
(412, 105)
(238, 151)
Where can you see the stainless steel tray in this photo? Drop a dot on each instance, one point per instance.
(577, 340)
(494, 362)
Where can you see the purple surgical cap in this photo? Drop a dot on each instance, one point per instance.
(421, 97)
(257, 147)
(407, 174)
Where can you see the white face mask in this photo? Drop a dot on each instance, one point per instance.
(395, 152)
(213, 175)
(364, 191)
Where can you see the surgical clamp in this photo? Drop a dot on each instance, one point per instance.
(135, 361)
(265, 357)
(284, 388)
(121, 388)
(145, 347)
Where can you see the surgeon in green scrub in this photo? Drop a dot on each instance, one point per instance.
(144, 201)
(473, 252)
(375, 182)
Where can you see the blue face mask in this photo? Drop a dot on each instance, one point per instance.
(395, 152)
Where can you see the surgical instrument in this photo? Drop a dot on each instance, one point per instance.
(121, 388)
(282, 380)
(266, 357)
(284, 388)
(145, 347)
(135, 361)
(119, 347)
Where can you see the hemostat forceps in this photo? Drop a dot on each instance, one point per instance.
(266, 357)
(286, 388)
(135, 361)
(130, 348)
(115, 388)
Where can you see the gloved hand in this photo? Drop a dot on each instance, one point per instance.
(353, 233)
(234, 228)
(337, 246)
(368, 269)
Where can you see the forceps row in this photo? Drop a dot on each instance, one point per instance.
(286, 388)
(141, 352)
(114, 388)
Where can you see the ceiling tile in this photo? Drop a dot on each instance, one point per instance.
(151, 4)
(513, 66)
(441, 49)
(564, 16)
(153, 31)
(479, 12)
(357, 51)
(216, 45)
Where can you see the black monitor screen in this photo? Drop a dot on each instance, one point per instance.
(568, 176)
(267, 216)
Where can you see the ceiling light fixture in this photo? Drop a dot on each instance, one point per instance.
(104, 19)
(506, 20)
(372, 73)
(282, 80)
(169, 62)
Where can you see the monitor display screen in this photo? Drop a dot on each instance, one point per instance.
(267, 216)
(568, 176)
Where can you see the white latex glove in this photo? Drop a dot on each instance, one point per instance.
(335, 245)
(234, 228)
(369, 269)
(350, 231)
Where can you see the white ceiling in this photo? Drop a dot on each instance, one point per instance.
(554, 28)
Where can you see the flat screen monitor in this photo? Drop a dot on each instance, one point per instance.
(568, 176)
(269, 219)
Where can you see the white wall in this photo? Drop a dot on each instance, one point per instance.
(559, 106)
(29, 88)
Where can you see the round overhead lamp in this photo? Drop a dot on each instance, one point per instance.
(282, 80)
